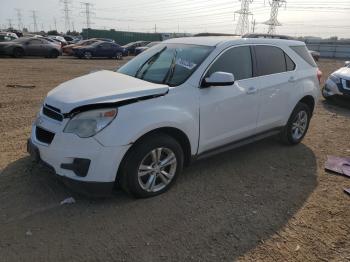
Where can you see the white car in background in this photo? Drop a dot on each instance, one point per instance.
(183, 99)
(338, 83)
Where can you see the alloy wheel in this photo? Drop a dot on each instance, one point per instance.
(157, 169)
(299, 125)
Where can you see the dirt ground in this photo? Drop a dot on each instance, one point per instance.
(262, 202)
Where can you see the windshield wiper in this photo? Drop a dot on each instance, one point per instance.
(148, 61)
(169, 75)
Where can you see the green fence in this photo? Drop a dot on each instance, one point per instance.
(121, 37)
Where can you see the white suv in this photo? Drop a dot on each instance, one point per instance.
(183, 99)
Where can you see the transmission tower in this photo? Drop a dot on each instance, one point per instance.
(10, 22)
(87, 12)
(273, 22)
(34, 21)
(66, 11)
(19, 18)
(243, 20)
(55, 23)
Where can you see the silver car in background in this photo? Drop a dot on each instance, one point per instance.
(338, 83)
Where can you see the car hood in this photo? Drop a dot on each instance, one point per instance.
(343, 72)
(99, 88)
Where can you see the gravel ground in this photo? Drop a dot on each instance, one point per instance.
(262, 202)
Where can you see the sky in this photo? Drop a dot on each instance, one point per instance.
(320, 18)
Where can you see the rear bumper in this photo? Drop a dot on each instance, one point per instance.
(86, 188)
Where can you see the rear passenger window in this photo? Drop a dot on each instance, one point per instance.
(270, 60)
(237, 60)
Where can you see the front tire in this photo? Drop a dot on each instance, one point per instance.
(87, 55)
(297, 126)
(151, 166)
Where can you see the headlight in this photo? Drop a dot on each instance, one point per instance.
(335, 79)
(88, 124)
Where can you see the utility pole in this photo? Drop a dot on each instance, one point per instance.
(243, 20)
(155, 28)
(34, 21)
(66, 12)
(10, 22)
(19, 18)
(273, 22)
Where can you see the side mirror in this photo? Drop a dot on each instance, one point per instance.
(347, 63)
(219, 79)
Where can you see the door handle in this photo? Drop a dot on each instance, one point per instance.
(252, 90)
(291, 79)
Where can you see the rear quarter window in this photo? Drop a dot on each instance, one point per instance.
(303, 52)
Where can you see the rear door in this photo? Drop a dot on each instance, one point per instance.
(104, 50)
(229, 113)
(276, 76)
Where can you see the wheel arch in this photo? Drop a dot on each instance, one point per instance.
(309, 101)
(173, 132)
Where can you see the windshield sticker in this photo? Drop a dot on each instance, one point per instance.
(186, 64)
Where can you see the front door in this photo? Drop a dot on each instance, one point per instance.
(229, 113)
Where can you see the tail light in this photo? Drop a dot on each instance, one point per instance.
(319, 75)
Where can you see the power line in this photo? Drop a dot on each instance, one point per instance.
(243, 20)
(34, 21)
(19, 18)
(273, 22)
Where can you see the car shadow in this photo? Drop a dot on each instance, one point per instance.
(338, 105)
(219, 209)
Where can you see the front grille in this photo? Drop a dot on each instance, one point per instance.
(52, 112)
(43, 135)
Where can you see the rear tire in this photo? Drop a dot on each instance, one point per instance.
(54, 54)
(119, 56)
(18, 52)
(151, 166)
(297, 126)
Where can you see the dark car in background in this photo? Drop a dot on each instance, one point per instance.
(68, 49)
(139, 50)
(30, 47)
(4, 37)
(99, 49)
(131, 47)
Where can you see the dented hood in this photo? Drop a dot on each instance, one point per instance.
(101, 87)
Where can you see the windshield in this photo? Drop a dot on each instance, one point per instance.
(170, 64)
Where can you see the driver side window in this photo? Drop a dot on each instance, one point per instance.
(236, 60)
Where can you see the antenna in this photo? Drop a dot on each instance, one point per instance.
(273, 22)
(243, 20)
